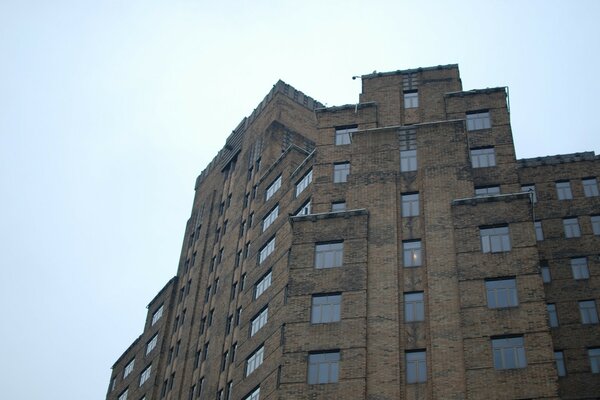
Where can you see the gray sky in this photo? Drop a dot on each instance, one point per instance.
(109, 109)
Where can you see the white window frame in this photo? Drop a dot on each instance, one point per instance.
(266, 250)
(128, 368)
(343, 135)
(483, 157)
(263, 284)
(254, 395)
(416, 366)
(487, 191)
(305, 209)
(255, 360)
(552, 315)
(124, 394)
(509, 352)
(571, 227)
(412, 253)
(590, 187)
(304, 182)
(273, 188)
(325, 308)
(408, 160)
(323, 367)
(579, 268)
(157, 314)
(563, 190)
(495, 239)
(270, 218)
(414, 307)
(259, 321)
(501, 293)
(151, 343)
(588, 312)
(478, 120)
(410, 204)
(329, 255)
(411, 99)
(145, 375)
(341, 171)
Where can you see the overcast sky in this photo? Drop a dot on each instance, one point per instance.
(110, 109)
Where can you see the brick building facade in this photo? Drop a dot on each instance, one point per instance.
(393, 248)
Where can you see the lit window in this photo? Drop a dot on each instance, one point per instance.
(416, 366)
(509, 353)
(590, 187)
(559, 358)
(531, 190)
(478, 120)
(563, 190)
(304, 210)
(595, 219)
(270, 218)
(157, 314)
(340, 172)
(123, 395)
(323, 367)
(412, 253)
(501, 293)
(487, 191)
(338, 206)
(539, 233)
(254, 395)
(571, 226)
(343, 135)
(411, 99)
(262, 285)
(273, 187)
(410, 204)
(414, 307)
(329, 255)
(255, 360)
(128, 368)
(594, 355)
(545, 271)
(579, 267)
(481, 158)
(304, 182)
(587, 310)
(552, 315)
(408, 160)
(266, 250)
(145, 375)
(495, 240)
(325, 308)
(151, 344)
(259, 321)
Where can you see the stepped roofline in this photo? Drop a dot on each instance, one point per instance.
(375, 74)
(558, 159)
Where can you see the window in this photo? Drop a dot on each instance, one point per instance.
(487, 191)
(233, 351)
(238, 315)
(579, 268)
(192, 391)
(501, 293)
(416, 366)
(414, 307)
(408, 160)
(323, 367)
(411, 99)
(113, 383)
(494, 240)
(325, 308)
(545, 272)
(259, 321)
(587, 309)
(329, 255)
(552, 315)
(145, 375)
(595, 219)
(224, 361)
(273, 187)
(571, 226)
(255, 360)
(151, 344)
(485, 157)
(211, 314)
(205, 351)
(539, 233)
(123, 395)
(228, 324)
(594, 355)
(412, 253)
(200, 386)
(157, 314)
(197, 359)
(338, 206)
(340, 172)
(559, 358)
(410, 204)
(343, 135)
(266, 250)
(590, 187)
(304, 182)
(478, 120)
(563, 190)
(270, 218)
(128, 368)
(531, 190)
(509, 353)
(262, 285)
(254, 395)
(304, 210)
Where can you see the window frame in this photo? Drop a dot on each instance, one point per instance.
(304, 182)
(255, 360)
(129, 368)
(571, 227)
(263, 284)
(270, 217)
(588, 312)
(483, 157)
(485, 191)
(343, 134)
(553, 320)
(495, 239)
(563, 190)
(414, 309)
(266, 250)
(502, 292)
(478, 120)
(590, 187)
(411, 98)
(412, 253)
(416, 366)
(156, 315)
(580, 268)
(329, 254)
(273, 188)
(327, 307)
(559, 359)
(151, 344)
(408, 160)
(594, 358)
(341, 170)
(410, 204)
(259, 320)
(539, 231)
(330, 361)
(145, 375)
(502, 346)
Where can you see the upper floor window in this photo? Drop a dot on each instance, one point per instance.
(343, 135)
(145, 375)
(579, 268)
(531, 190)
(408, 150)
(255, 360)
(128, 368)
(304, 209)
(495, 240)
(323, 367)
(151, 344)
(563, 190)
(487, 191)
(485, 157)
(325, 308)
(587, 310)
(304, 182)
(590, 187)
(338, 206)
(412, 253)
(259, 321)
(416, 366)
(157, 314)
(478, 120)
(539, 232)
(552, 315)
(545, 272)
(266, 250)
(341, 172)
(123, 395)
(273, 187)
(262, 284)
(595, 220)
(571, 226)
(270, 218)
(411, 99)
(509, 352)
(501, 293)
(594, 355)
(559, 359)
(414, 307)
(410, 204)
(408, 160)
(329, 255)
(254, 395)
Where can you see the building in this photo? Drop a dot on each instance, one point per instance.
(393, 248)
